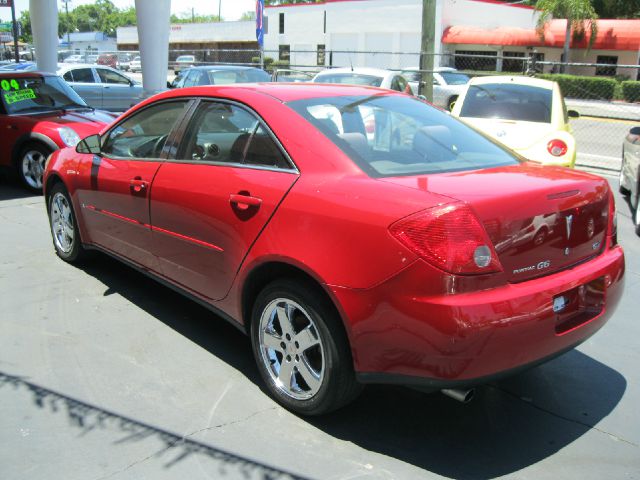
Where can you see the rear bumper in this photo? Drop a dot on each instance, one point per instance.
(401, 335)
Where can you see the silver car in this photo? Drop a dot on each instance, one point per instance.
(102, 87)
(630, 173)
(448, 83)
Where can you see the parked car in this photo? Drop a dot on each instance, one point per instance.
(526, 114)
(630, 173)
(373, 77)
(448, 83)
(287, 75)
(19, 67)
(74, 59)
(91, 59)
(219, 75)
(108, 59)
(184, 61)
(40, 113)
(124, 59)
(135, 65)
(102, 87)
(347, 260)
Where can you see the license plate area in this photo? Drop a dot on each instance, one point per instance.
(578, 305)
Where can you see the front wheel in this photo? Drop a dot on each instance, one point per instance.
(452, 102)
(635, 205)
(301, 349)
(64, 226)
(30, 165)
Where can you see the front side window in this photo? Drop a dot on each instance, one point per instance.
(224, 133)
(107, 76)
(509, 102)
(390, 135)
(144, 133)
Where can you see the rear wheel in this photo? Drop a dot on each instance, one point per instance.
(301, 349)
(30, 165)
(64, 226)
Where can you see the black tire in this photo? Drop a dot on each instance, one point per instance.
(329, 357)
(452, 100)
(30, 165)
(64, 226)
(635, 209)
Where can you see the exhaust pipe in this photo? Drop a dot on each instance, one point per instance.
(463, 396)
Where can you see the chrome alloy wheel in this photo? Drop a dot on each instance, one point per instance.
(291, 349)
(32, 167)
(62, 225)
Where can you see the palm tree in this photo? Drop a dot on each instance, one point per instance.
(580, 16)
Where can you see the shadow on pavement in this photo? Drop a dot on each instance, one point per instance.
(510, 425)
(11, 189)
(87, 417)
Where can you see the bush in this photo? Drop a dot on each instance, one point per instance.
(631, 91)
(267, 61)
(574, 86)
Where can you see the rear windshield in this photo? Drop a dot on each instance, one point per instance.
(509, 102)
(224, 77)
(350, 79)
(454, 78)
(393, 135)
(37, 94)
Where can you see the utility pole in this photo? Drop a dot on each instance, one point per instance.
(219, 10)
(14, 26)
(66, 12)
(427, 48)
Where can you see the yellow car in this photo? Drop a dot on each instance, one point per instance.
(528, 115)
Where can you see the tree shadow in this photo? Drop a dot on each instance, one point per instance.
(87, 417)
(510, 425)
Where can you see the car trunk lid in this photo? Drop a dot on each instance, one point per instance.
(540, 219)
(515, 135)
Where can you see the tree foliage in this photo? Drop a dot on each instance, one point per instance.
(579, 13)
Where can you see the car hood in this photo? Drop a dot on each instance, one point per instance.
(515, 135)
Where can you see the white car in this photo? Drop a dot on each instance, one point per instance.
(184, 61)
(373, 77)
(135, 65)
(74, 59)
(448, 84)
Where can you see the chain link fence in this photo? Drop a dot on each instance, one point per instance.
(606, 95)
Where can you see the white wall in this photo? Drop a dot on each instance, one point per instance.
(198, 33)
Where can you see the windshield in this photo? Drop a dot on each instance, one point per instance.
(508, 101)
(454, 78)
(37, 94)
(350, 79)
(389, 135)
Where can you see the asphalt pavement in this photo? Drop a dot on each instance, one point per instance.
(107, 374)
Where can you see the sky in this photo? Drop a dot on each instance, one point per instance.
(230, 9)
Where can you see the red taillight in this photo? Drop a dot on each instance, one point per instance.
(449, 237)
(557, 148)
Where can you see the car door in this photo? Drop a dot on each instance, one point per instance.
(115, 186)
(84, 82)
(118, 92)
(210, 204)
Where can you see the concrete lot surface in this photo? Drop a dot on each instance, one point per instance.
(106, 374)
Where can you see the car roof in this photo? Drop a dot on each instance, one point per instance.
(284, 92)
(378, 72)
(436, 69)
(73, 66)
(513, 79)
(222, 67)
(21, 74)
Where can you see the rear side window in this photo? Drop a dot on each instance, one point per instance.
(82, 75)
(393, 135)
(143, 134)
(508, 101)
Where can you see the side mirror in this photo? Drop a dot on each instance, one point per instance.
(573, 114)
(169, 85)
(91, 144)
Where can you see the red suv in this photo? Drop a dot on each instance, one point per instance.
(40, 113)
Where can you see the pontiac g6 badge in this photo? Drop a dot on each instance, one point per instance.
(569, 220)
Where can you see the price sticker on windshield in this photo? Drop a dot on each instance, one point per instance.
(8, 85)
(18, 96)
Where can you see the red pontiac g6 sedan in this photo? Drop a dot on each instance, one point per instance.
(40, 113)
(396, 253)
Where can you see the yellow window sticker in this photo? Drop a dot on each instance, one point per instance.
(18, 96)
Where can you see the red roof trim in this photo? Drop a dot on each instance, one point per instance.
(612, 35)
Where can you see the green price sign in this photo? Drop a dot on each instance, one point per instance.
(7, 85)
